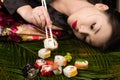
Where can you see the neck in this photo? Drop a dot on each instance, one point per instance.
(68, 7)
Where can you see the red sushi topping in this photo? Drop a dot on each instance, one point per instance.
(46, 70)
(39, 63)
(50, 62)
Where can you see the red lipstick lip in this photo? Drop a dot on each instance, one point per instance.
(74, 24)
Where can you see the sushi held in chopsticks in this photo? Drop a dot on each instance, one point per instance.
(50, 43)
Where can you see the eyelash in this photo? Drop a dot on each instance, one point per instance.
(84, 37)
(92, 26)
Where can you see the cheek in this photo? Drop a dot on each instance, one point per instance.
(100, 40)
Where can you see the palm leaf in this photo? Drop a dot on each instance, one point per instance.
(102, 66)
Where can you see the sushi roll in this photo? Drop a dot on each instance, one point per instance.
(70, 71)
(81, 64)
(50, 43)
(39, 63)
(60, 60)
(50, 62)
(46, 70)
(30, 71)
(58, 70)
(44, 53)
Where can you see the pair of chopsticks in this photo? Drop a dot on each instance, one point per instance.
(46, 28)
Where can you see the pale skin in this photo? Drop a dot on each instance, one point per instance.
(90, 22)
(37, 16)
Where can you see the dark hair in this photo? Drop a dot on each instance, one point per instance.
(60, 19)
(110, 3)
(114, 19)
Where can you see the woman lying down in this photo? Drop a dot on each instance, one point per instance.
(90, 20)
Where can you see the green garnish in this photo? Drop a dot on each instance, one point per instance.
(81, 60)
(68, 57)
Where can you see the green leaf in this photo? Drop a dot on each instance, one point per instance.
(102, 66)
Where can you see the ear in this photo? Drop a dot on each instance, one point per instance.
(101, 6)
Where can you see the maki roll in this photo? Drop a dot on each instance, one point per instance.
(58, 70)
(46, 70)
(60, 60)
(39, 63)
(50, 62)
(44, 53)
(30, 71)
(81, 64)
(70, 71)
(50, 43)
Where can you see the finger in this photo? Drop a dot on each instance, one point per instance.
(33, 21)
(37, 13)
(47, 17)
(37, 20)
(43, 21)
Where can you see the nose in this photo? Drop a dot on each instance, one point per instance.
(84, 30)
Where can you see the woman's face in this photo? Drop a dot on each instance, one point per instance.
(91, 25)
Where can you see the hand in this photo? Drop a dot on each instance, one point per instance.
(37, 16)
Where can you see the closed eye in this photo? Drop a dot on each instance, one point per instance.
(85, 37)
